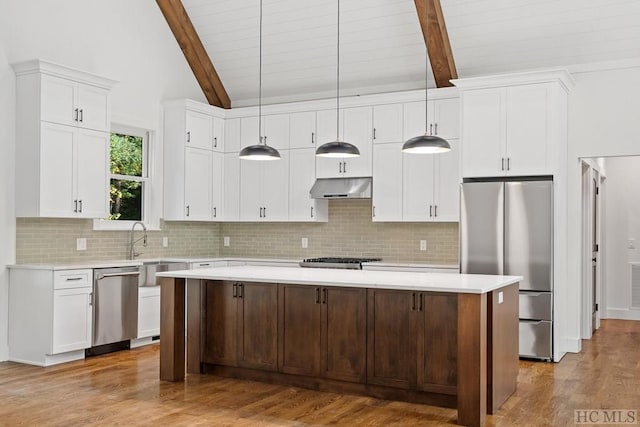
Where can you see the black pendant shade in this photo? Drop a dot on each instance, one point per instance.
(426, 144)
(337, 149)
(259, 152)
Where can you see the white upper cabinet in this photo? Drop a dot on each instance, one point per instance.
(275, 128)
(302, 130)
(514, 125)
(217, 186)
(302, 175)
(446, 186)
(71, 103)
(199, 130)
(442, 118)
(62, 123)
(326, 122)
(387, 182)
(387, 123)
(197, 185)
(264, 189)
(232, 136)
(231, 186)
(413, 120)
(218, 133)
(358, 130)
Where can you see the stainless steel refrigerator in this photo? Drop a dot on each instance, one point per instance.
(506, 227)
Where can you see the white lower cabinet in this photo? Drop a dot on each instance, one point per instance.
(148, 311)
(302, 176)
(50, 315)
(264, 189)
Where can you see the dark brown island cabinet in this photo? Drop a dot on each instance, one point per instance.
(448, 349)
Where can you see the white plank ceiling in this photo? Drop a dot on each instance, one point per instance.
(382, 48)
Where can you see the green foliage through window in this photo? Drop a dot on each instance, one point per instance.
(126, 159)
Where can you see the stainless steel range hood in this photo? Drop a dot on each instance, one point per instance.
(341, 188)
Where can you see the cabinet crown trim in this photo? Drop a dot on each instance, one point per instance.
(554, 75)
(50, 68)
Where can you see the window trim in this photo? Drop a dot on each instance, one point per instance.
(148, 150)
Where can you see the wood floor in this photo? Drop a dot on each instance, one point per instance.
(123, 389)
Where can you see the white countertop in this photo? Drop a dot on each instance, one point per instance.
(412, 281)
(410, 265)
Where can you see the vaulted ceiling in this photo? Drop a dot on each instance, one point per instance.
(382, 46)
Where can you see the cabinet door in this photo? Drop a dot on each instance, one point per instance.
(358, 130)
(217, 185)
(249, 134)
(302, 130)
(326, 126)
(302, 175)
(276, 130)
(58, 101)
(232, 135)
(387, 123)
(417, 187)
(527, 130)
(274, 188)
(93, 103)
(57, 164)
(299, 326)
(218, 134)
(484, 132)
(258, 326)
(72, 319)
(198, 130)
(197, 184)
(446, 198)
(92, 179)
(437, 349)
(221, 328)
(387, 182)
(250, 189)
(344, 333)
(446, 118)
(329, 167)
(148, 313)
(391, 338)
(414, 120)
(231, 193)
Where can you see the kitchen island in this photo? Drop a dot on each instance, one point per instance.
(440, 339)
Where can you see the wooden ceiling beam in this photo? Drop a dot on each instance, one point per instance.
(437, 41)
(194, 52)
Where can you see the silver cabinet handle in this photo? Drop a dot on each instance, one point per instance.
(188, 210)
(73, 279)
(374, 133)
(344, 167)
(215, 212)
(311, 211)
(90, 299)
(508, 163)
(373, 211)
(241, 290)
(265, 140)
(313, 137)
(340, 167)
(430, 128)
(502, 168)
(82, 115)
(189, 136)
(215, 142)
(75, 209)
(75, 119)
(435, 211)
(235, 290)
(436, 128)
(264, 212)
(80, 203)
(205, 264)
(129, 273)
(430, 211)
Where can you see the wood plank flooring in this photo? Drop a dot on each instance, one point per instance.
(123, 389)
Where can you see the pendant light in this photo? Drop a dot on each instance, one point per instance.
(338, 148)
(426, 144)
(260, 151)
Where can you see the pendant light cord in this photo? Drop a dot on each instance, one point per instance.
(338, 79)
(260, 83)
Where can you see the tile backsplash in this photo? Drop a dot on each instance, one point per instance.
(349, 232)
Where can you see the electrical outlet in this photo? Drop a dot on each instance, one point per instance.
(227, 241)
(81, 244)
(165, 242)
(423, 245)
(305, 243)
(632, 243)
(500, 297)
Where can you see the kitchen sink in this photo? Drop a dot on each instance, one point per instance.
(150, 268)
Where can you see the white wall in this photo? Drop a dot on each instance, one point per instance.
(622, 216)
(603, 122)
(7, 219)
(125, 40)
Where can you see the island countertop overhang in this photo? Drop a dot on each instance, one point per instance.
(410, 281)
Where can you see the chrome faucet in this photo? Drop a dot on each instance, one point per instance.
(132, 253)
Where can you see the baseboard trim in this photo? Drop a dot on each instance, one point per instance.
(622, 314)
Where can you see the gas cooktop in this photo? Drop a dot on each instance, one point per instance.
(336, 262)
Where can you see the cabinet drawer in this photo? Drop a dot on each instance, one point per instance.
(535, 305)
(535, 339)
(208, 264)
(66, 279)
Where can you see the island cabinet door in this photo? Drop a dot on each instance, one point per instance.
(344, 334)
(437, 343)
(299, 326)
(391, 337)
(258, 326)
(221, 342)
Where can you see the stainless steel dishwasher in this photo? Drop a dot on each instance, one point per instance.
(115, 308)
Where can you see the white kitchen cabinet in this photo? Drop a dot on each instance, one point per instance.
(275, 128)
(232, 135)
(148, 311)
(217, 185)
(218, 134)
(430, 186)
(507, 131)
(231, 185)
(74, 174)
(302, 130)
(387, 182)
(358, 130)
(50, 315)
(264, 189)
(199, 130)
(71, 103)
(387, 123)
(442, 118)
(326, 122)
(197, 184)
(302, 176)
(62, 160)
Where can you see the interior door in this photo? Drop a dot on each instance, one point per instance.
(594, 260)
